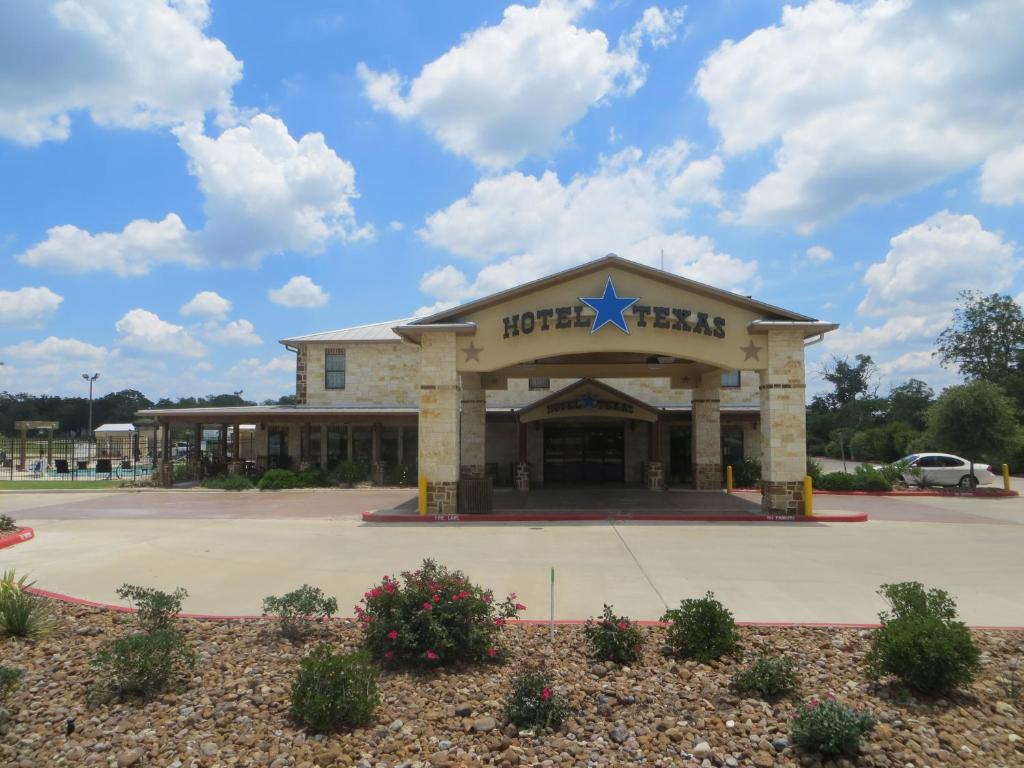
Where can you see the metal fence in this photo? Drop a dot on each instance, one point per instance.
(120, 457)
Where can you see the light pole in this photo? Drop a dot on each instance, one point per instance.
(90, 379)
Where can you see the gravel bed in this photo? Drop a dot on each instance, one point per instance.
(659, 712)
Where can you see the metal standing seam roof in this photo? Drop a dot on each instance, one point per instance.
(370, 332)
(115, 428)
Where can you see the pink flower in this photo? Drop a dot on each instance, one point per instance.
(392, 635)
(436, 598)
(545, 694)
(389, 654)
(432, 656)
(499, 622)
(492, 651)
(375, 592)
(520, 607)
(428, 607)
(488, 598)
(623, 625)
(455, 598)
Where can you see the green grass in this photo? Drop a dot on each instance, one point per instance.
(51, 485)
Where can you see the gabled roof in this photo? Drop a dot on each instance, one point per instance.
(588, 383)
(357, 333)
(768, 311)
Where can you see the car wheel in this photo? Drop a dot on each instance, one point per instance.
(968, 482)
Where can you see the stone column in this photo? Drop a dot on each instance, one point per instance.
(783, 423)
(707, 433)
(654, 469)
(522, 471)
(439, 421)
(473, 426)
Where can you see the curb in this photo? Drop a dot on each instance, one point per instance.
(375, 516)
(10, 539)
(528, 622)
(991, 493)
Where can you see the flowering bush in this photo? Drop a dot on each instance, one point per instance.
(613, 638)
(702, 629)
(830, 728)
(431, 617)
(768, 677)
(533, 704)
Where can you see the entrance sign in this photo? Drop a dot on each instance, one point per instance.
(610, 309)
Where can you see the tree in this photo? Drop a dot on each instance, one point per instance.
(976, 420)
(851, 382)
(909, 402)
(986, 338)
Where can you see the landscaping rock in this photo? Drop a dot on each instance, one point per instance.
(484, 724)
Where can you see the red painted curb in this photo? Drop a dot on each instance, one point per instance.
(529, 622)
(10, 539)
(374, 516)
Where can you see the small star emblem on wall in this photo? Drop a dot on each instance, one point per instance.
(751, 351)
(472, 352)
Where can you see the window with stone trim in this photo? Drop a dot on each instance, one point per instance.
(540, 382)
(334, 369)
(731, 379)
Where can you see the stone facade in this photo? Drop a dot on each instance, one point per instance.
(783, 423)
(439, 419)
(473, 426)
(707, 434)
(783, 498)
(375, 373)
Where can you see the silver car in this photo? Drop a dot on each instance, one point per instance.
(946, 469)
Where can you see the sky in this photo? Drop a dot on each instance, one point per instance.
(184, 182)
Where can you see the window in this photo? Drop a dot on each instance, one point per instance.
(731, 379)
(732, 444)
(337, 445)
(540, 382)
(334, 369)
(362, 445)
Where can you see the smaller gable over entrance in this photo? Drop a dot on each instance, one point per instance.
(588, 399)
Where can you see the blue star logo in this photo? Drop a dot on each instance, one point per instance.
(588, 401)
(610, 308)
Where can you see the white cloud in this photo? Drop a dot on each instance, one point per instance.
(818, 254)
(913, 292)
(28, 306)
(523, 227)
(235, 332)
(1002, 177)
(54, 348)
(145, 332)
(129, 63)
(928, 264)
(864, 102)
(207, 304)
(134, 251)
(300, 291)
(396, 226)
(511, 90)
(264, 193)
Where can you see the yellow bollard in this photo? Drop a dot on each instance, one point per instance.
(1006, 477)
(808, 496)
(728, 478)
(423, 494)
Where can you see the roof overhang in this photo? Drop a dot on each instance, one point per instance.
(412, 332)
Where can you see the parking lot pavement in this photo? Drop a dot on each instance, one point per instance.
(230, 559)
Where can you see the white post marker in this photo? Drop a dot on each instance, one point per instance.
(551, 625)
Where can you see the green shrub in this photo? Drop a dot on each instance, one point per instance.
(297, 610)
(830, 728)
(7, 524)
(867, 478)
(613, 638)
(311, 477)
(9, 677)
(185, 472)
(433, 617)
(22, 614)
(533, 704)
(278, 480)
(814, 471)
(746, 473)
(769, 677)
(144, 664)
(334, 691)
(350, 473)
(921, 642)
(835, 481)
(156, 609)
(228, 483)
(702, 629)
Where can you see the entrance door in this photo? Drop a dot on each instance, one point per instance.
(584, 453)
(680, 456)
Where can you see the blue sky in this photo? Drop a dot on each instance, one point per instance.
(182, 183)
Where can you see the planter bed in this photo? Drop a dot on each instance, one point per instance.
(18, 535)
(234, 709)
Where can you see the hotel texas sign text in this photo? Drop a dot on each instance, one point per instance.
(611, 309)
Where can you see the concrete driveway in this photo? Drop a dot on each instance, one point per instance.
(231, 550)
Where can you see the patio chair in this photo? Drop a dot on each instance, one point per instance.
(62, 466)
(103, 467)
